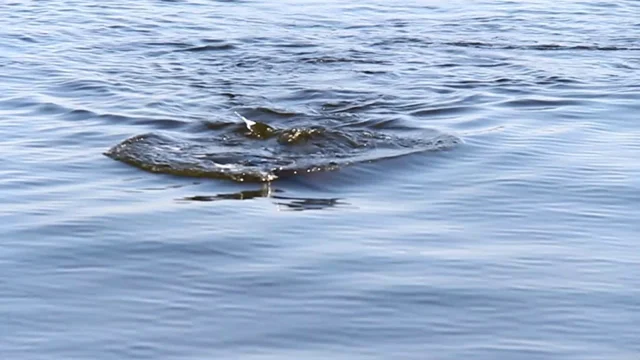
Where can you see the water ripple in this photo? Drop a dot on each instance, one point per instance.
(520, 243)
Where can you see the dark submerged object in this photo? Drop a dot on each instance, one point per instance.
(258, 152)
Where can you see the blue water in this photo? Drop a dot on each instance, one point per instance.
(521, 242)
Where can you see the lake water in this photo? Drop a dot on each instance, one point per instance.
(517, 240)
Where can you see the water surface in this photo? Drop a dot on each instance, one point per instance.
(517, 240)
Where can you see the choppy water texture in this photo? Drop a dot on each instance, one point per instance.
(425, 180)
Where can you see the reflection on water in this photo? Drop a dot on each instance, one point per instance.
(299, 204)
(265, 191)
(291, 203)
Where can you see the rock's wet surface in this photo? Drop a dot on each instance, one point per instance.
(255, 151)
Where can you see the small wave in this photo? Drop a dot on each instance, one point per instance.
(350, 106)
(556, 80)
(333, 60)
(85, 87)
(294, 45)
(538, 47)
(177, 44)
(538, 103)
(276, 112)
(209, 47)
(403, 40)
(442, 111)
(500, 46)
(156, 123)
(374, 72)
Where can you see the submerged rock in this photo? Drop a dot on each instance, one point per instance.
(259, 152)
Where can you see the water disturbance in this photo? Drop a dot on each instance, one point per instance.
(306, 179)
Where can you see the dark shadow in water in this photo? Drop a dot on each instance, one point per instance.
(301, 204)
(264, 192)
(283, 202)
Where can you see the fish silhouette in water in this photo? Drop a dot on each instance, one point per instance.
(256, 151)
